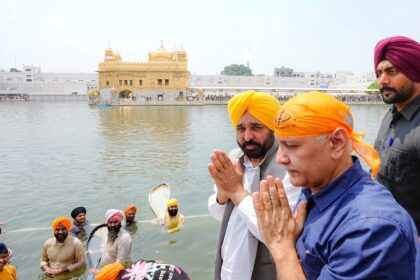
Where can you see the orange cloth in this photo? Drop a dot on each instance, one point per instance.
(62, 220)
(8, 273)
(129, 208)
(109, 272)
(316, 113)
(261, 106)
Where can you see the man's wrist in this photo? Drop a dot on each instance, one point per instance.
(221, 199)
(238, 196)
(285, 257)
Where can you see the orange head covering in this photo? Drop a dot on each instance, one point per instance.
(109, 272)
(62, 220)
(316, 113)
(261, 106)
(129, 208)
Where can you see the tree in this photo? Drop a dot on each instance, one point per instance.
(373, 85)
(237, 70)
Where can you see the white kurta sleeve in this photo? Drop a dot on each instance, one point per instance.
(216, 210)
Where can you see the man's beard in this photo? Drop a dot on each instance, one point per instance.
(260, 150)
(61, 237)
(399, 96)
(129, 220)
(172, 213)
(113, 233)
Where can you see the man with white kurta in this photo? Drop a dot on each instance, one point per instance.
(241, 253)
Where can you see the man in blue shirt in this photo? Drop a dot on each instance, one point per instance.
(347, 226)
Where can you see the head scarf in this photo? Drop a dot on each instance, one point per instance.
(109, 272)
(62, 220)
(114, 213)
(3, 249)
(172, 202)
(261, 106)
(129, 208)
(78, 210)
(316, 113)
(403, 53)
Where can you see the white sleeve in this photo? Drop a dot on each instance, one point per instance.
(216, 210)
(247, 212)
(292, 192)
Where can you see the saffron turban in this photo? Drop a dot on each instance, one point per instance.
(130, 208)
(172, 202)
(114, 213)
(403, 53)
(78, 210)
(316, 113)
(261, 106)
(62, 220)
(109, 272)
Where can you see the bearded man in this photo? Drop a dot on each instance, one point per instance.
(118, 245)
(240, 252)
(61, 253)
(397, 66)
(130, 215)
(173, 219)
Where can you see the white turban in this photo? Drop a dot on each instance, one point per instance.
(115, 213)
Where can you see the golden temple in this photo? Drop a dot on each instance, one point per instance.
(165, 74)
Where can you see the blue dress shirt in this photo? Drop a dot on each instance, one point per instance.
(356, 230)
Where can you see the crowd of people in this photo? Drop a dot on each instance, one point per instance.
(293, 199)
(65, 251)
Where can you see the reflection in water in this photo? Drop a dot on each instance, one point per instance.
(133, 136)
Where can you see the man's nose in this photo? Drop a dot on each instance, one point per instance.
(383, 80)
(248, 135)
(282, 157)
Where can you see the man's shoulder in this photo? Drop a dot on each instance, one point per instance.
(125, 235)
(371, 201)
(75, 241)
(49, 242)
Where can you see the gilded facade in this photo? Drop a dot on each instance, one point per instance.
(164, 74)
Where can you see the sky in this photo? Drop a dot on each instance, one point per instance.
(305, 35)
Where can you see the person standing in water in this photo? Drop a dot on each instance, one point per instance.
(173, 219)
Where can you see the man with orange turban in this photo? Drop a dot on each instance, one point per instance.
(240, 252)
(397, 66)
(61, 253)
(130, 214)
(346, 226)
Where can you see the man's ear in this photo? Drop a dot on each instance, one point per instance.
(338, 142)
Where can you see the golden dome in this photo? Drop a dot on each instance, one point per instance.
(161, 54)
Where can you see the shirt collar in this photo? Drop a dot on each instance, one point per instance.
(336, 188)
(409, 110)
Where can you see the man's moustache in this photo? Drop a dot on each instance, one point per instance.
(386, 88)
(251, 143)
